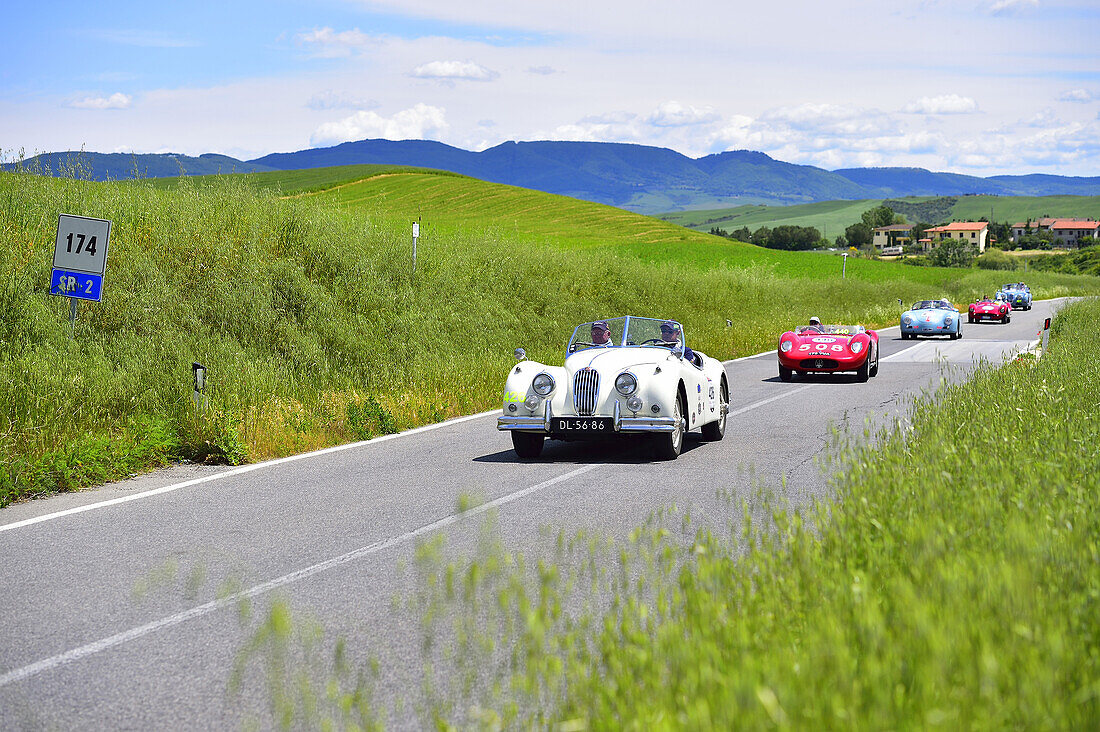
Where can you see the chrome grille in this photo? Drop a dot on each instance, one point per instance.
(586, 387)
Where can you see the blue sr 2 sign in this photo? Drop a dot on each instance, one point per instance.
(76, 284)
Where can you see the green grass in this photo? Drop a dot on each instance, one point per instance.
(829, 217)
(314, 332)
(294, 182)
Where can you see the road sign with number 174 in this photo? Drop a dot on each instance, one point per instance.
(80, 257)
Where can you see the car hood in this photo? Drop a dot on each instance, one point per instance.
(926, 315)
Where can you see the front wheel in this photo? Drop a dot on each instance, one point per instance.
(715, 430)
(785, 373)
(864, 371)
(669, 444)
(527, 444)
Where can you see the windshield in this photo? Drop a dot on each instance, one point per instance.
(847, 330)
(627, 331)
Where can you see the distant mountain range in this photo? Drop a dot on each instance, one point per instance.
(635, 177)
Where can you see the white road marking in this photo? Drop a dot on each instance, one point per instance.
(769, 400)
(201, 610)
(239, 471)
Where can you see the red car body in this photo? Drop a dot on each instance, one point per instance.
(987, 309)
(806, 349)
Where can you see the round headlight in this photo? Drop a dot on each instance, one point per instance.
(543, 384)
(948, 320)
(907, 320)
(786, 346)
(626, 384)
(531, 402)
(856, 346)
(634, 403)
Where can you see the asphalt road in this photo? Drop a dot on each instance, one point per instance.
(118, 604)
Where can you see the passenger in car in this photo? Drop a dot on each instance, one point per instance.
(670, 334)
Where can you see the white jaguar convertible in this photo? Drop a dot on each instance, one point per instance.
(622, 376)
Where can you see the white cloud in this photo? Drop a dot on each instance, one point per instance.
(943, 104)
(117, 100)
(454, 71)
(419, 122)
(140, 38)
(541, 70)
(1010, 6)
(331, 44)
(337, 100)
(1077, 95)
(674, 114)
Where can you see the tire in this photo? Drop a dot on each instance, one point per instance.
(970, 318)
(669, 444)
(716, 430)
(785, 374)
(874, 369)
(904, 336)
(527, 444)
(864, 371)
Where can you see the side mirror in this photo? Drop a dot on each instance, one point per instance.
(520, 354)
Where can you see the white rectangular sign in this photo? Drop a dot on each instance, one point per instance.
(81, 244)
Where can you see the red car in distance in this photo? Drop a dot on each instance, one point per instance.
(989, 309)
(828, 348)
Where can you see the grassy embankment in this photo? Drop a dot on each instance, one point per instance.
(314, 331)
(832, 217)
(952, 583)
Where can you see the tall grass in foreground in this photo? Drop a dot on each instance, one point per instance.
(953, 583)
(313, 330)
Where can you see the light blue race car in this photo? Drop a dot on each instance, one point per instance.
(1016, 294)
(931, 318)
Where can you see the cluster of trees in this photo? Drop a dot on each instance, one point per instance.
(860, 233)
(786, 237)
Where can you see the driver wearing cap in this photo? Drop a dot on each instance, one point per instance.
(815, 325)
(601, 334)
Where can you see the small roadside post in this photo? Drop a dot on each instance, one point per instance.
(1046, 333)
(198, 372)
(844, 265)
(79, 260)
(416, 235)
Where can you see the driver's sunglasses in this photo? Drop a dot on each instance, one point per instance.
(668, 330)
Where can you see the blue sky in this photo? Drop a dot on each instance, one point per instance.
(972, 86)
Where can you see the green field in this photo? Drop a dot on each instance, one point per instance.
(832, 217)
(315, 332)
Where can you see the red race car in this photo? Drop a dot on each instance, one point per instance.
(828, 348)
(989, 309)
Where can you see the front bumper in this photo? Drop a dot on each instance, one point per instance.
(928, 328)
(633, 424)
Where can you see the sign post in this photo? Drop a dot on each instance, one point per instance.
(844, 266)
(79, 260)
(1046, 333)
(416, 235)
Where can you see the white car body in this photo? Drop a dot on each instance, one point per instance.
(673, 394)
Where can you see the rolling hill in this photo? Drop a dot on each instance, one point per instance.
(639, 178)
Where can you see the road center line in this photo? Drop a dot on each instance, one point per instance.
(201, 610)
(769, 400)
